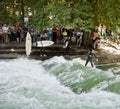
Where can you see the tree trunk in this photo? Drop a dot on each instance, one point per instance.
(22, 11)
(87, 39)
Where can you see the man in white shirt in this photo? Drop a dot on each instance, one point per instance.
(5, 29)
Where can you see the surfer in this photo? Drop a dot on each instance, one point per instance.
(67, 45)
(42, 48)
(90, 55)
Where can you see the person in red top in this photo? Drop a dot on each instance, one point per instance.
(95, 35)
(95, 39)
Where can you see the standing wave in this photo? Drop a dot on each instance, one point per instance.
(55, 83)
(73, 74)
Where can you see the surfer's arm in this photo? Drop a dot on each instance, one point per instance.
(95, 56)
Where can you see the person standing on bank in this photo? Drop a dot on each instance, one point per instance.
(90, 56)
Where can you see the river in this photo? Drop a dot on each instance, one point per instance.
(57, 83)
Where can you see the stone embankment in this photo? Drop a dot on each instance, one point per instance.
(15, 50)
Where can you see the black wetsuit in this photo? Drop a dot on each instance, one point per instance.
(42, 49)
(90, 55)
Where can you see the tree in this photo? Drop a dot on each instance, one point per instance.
(84, 14)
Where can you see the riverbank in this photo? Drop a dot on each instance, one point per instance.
(105, 53)
(108, 53)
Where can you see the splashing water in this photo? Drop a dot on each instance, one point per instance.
(56, 83)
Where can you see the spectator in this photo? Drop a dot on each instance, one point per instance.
(5, 29)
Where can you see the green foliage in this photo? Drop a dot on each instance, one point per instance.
(83, 14)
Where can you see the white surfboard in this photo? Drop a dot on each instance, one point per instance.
(28, 44)
(66, 44)
(43, 43)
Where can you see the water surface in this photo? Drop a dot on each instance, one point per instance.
(57, 83)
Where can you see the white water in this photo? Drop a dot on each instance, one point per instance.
(25, 84)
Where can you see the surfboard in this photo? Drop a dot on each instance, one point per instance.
(43, 43)
(102, 65)
(28, 44)
(66, 44)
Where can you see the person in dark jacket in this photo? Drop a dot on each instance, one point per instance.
(90, 56)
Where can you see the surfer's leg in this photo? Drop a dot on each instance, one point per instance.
(79, 43)
(42, 51)
(91, 62)
(86, 62)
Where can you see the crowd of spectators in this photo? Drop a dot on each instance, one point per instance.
(10, 33)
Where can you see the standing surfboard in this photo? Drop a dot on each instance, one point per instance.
(28, 44)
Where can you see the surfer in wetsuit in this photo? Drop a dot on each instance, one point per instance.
(42, 48)
(90, 55)
(67, 45)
